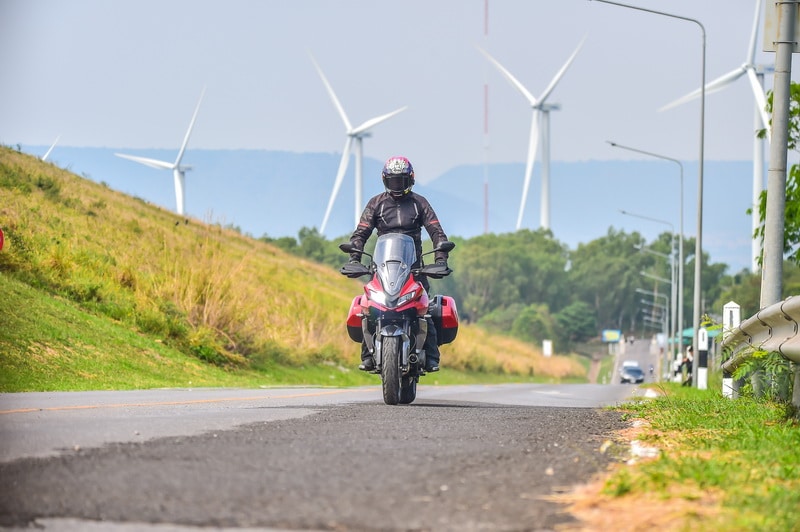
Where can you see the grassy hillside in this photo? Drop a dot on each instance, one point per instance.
(102, 290)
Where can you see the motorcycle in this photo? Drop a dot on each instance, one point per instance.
(390, 318)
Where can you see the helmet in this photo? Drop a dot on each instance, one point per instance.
(398, 176)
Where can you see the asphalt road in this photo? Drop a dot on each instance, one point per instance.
(458, 458)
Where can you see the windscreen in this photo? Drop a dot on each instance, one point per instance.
(394, 256)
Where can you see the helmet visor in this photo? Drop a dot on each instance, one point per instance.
(397, 182)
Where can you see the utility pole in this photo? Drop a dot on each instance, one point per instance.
(784, 44)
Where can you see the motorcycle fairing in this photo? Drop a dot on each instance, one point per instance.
(410, 294)
(394, 256)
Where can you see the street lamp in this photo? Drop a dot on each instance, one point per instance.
(668, 332)
(677, 331)
(666, 303)
(698, 248)
(680, 231)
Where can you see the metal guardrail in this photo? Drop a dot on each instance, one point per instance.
(773, 328)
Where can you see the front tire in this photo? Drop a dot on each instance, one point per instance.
(390, 369)
(408, 390)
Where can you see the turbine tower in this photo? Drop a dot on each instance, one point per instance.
(53, 145)
(540, 120)
(178, 170)
(755, 74)
(356, 134)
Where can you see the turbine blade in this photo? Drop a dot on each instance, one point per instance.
(375, 121)
(53, 145)
(332, 95)
(761, 100)
(178, 178)
(189, 131)
(153, 163)
(751, 49)
(533, 143)
(345, 160)
(715, 85)
(514, 81)
(561, 72)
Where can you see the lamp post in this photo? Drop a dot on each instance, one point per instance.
(676, 330)
(666, 304)
(680, 232)
(698, 248)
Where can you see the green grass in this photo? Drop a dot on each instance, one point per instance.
(49, 343)
(101, 290)
(744, 454)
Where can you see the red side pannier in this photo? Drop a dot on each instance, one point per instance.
(445, 318)
(354, 329)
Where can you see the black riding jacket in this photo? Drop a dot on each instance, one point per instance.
(407, 215)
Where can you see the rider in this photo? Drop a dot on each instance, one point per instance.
(398, 210)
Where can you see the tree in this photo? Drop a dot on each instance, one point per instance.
(534, 324)
(496, 271)
(605, 274)
(576, 323)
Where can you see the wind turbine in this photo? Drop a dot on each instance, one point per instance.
(540, 119)
(755, 74)
(53, 145)
(178, 171)
(356, 134)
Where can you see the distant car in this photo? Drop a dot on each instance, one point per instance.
(630, 364)
(631, 374)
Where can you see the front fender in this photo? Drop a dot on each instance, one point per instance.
(392, 329)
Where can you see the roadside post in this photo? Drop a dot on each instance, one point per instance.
(731, 318)
(702, 358)
(547, 348)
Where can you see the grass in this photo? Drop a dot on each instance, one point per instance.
(723, 465)
(99, 290)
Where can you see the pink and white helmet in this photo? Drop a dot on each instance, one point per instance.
(398, 176)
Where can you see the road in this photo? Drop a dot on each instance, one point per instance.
(458, 458)
(648, 354)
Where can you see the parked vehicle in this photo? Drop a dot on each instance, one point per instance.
(390, 317)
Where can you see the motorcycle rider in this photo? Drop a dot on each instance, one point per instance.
(399, 210)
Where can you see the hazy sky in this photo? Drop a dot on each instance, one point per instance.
(128, 74)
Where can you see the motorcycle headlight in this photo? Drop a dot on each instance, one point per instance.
(378, 297)
(381, 299)
(406, 298)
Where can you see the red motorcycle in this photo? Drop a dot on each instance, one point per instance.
(391, 316)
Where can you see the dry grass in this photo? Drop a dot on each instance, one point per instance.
(207, 290)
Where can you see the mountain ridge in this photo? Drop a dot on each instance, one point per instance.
(276, 193)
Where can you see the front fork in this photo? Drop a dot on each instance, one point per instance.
(408, 356)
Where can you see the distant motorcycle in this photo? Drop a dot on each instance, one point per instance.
(390, 317)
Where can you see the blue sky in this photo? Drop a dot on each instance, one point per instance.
(128, 74)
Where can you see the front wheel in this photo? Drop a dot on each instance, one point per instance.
(390, 369)
(408, 390)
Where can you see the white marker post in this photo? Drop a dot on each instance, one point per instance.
(702, 358)
(731, 318)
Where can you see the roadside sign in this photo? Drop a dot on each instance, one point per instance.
(612, 335)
